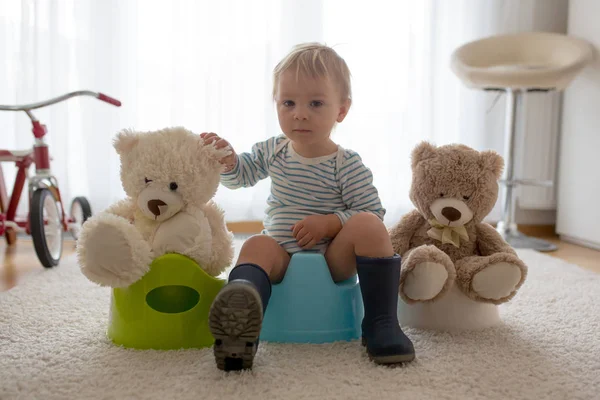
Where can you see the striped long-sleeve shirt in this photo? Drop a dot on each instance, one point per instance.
(337, 184)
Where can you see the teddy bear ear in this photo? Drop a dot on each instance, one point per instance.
(493, 162)
(125, 141)
(423, 151)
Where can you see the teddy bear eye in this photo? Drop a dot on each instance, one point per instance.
(146, 180)
(173, 186)
(441, 194)
(466, 197)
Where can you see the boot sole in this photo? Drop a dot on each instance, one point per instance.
(235, 321)
(389, 360)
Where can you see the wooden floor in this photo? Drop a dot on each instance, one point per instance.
(20, 259)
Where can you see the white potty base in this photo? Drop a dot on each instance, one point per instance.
(454, 311)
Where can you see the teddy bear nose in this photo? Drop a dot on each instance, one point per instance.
(153, 206)
(451, 213)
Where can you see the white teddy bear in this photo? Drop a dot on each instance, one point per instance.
(170, 177)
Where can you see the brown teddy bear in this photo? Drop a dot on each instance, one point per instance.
(443, 243)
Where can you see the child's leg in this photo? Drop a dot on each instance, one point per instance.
(264, 251)
(236, 313)
(363, 245)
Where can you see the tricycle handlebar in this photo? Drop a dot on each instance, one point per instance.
(33, 106)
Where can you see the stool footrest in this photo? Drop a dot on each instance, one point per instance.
(527, 182)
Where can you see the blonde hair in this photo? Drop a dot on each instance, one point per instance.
(317, 61)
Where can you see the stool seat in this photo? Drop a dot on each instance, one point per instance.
(308, 307)
(166, 309)
(529, 60)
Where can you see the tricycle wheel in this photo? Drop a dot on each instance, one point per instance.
(79, 213)
(46, 227)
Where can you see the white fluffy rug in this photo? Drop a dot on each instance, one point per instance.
(53, 346)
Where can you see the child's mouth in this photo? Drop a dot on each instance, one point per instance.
(302, 130)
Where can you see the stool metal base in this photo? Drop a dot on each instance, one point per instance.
(507, 227)
(519, 240)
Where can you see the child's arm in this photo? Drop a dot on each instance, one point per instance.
(251, 167)
(358, 192)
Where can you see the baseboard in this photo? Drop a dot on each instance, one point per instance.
(542, 230)
(538, 230)
(249, 227)
(245, 227)
(580, 242)
(525, 217)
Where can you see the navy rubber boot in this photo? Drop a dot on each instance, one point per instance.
(236, 315)
(381, 332)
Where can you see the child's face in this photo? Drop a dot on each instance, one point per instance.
(308, 108)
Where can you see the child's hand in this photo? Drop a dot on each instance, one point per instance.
(310, 230)
(230, 160)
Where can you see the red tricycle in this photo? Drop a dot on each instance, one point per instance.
(46, 220)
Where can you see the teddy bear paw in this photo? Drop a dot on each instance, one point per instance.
(111, 251)
(497, 281)
(425, 281)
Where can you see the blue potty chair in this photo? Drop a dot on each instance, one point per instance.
(308, 307)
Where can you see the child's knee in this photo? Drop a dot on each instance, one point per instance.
(366, 224)
(266, 252)
(259, 242)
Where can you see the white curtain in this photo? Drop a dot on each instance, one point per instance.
(206, 65)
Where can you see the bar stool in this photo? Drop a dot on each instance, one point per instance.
(516, 64)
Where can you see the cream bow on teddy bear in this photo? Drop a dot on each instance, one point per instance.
(447, 234)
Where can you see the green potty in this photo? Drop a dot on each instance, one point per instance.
(166, 309)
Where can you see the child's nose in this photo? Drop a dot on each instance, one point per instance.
(300, 114)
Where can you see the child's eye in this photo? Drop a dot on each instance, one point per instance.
(316, 103)
(288, 103)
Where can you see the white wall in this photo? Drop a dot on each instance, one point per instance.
(578, 215)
